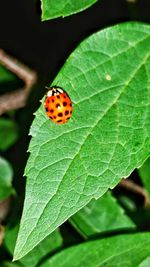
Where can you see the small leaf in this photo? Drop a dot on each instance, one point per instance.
(8, 133)
(101, 215)
(144, 173)
(8, 81)
(108, 136)
(6, 175)
(59, 8)
(128, 203)
(49, 244)
(121, 251)
(6, 75)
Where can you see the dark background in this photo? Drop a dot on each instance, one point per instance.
(44, 46)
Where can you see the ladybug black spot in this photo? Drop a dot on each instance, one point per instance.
(50, 117)
(64, 103)
(60, 114)
(54, 117)
(58, 96)
(57, 105)
(46, 109)
(66, 112)
(51, 110)
(70, 105)
(53, 100)
(59, 121)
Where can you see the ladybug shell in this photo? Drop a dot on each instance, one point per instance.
(58, 105)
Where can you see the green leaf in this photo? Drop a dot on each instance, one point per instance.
(8, 81)
(6, 175)
(128, 203)
(8, 133)
(49, 244)
(59, 8)
(11, 264)
(107, 78)
(120, 251)
(6, 75)
(101, 215)
(144, 173)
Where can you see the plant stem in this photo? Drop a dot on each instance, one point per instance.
(17, 98)
(131, 186)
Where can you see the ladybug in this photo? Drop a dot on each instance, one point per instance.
(58, 105)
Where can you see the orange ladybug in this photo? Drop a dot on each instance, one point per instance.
(58, 105)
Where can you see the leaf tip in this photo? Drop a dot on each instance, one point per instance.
(15, 257)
